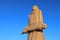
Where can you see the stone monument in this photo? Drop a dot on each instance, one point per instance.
(35, 25)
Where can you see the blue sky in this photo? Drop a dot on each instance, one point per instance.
(14, 17)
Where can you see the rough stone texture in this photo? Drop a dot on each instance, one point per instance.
(35, 25)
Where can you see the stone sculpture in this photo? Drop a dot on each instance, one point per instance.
(35, 25)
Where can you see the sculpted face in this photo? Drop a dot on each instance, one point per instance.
(35, 8)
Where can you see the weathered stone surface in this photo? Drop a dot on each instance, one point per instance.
(35, 25)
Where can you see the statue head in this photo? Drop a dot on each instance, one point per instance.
(35, 8)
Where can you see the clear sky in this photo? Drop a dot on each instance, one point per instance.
(14, 17)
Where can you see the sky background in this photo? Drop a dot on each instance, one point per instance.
(14, 17)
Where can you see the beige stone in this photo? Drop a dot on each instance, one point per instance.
(35, 25)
